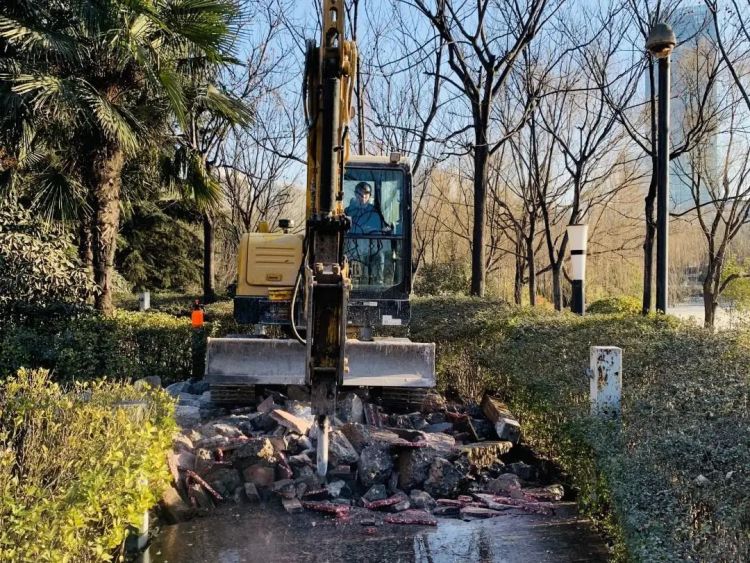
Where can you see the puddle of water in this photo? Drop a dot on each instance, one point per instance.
(241, 534)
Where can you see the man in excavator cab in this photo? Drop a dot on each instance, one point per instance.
(366, 255)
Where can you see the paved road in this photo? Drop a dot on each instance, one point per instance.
(240, 534)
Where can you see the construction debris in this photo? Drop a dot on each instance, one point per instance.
(506, 425)
(406, 469)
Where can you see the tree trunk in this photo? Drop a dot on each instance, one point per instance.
(85, 253)
(531, 260)
(480, 202)
(209, 290)
(105, 184)
(520, 269)
(709, 305)
(557, 287)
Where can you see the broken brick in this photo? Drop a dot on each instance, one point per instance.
(412, 517)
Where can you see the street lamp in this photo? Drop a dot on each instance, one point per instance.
(661, 40)
(578, 237)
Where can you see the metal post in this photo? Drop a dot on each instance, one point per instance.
(578, 237)
(662, 190)
(660, 42)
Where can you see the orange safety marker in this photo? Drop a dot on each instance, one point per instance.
(196, 317)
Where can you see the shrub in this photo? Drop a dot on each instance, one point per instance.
(125, 345)
(37, 264)
(77, 467)
(442, 278)
(623, 304)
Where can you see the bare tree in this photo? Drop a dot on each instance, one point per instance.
(484, 40)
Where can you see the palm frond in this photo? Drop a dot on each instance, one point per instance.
(231, 108)
(47, 42)
(205, 189)
(172, 86)
(57, 194)
(117, 123)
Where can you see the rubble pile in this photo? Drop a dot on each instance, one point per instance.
(445, 460)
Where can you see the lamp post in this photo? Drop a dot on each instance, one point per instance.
(661, 40)
(578, 237)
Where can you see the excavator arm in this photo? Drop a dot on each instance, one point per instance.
(329, 72)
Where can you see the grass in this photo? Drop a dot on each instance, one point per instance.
(685, 414)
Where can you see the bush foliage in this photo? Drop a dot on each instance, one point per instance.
(126, 345)
(77, 467)
(685, 414)
(623, 304)
(37, 264)
(442, 278)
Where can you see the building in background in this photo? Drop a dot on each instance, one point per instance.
(692, 62)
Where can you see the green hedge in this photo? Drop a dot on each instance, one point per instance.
(77, 467)
(127, 345)
(686, 413)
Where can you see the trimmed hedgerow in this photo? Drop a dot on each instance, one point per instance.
(686, 413)
(126, 345)
(77, 466)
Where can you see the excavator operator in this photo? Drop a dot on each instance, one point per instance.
(367, 220)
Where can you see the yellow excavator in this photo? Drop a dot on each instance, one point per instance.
(348, 274)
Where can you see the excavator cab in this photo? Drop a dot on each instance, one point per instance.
(377, 195)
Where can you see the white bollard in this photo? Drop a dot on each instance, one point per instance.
(144, 301)
(606, 380)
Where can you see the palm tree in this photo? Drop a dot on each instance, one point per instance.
(94, 81)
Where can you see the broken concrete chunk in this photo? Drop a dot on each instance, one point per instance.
(266, 405)
(524, 471)
(504, 484)
(443, 478)
(447, 511)
(485, 454)
(255, 450)
(340, 450)
(376, 492)
(414, 464)
(187, 415)
(421, 499)
(445, 427)
(261, 475)
(350, 409)
(292, 505)
(337, 489)
(199, 498)
(285, 488)
(204, 461)
(175, 509)
(433, 402)
(475, 512)
(224, 480)
(251, 492)
(360, 435)
(182, 443)
(506, 425)
(375, 465)
(291, 421)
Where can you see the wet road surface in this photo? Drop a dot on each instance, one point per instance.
(240, 534)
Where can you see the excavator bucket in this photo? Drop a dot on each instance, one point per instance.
(236, 363)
